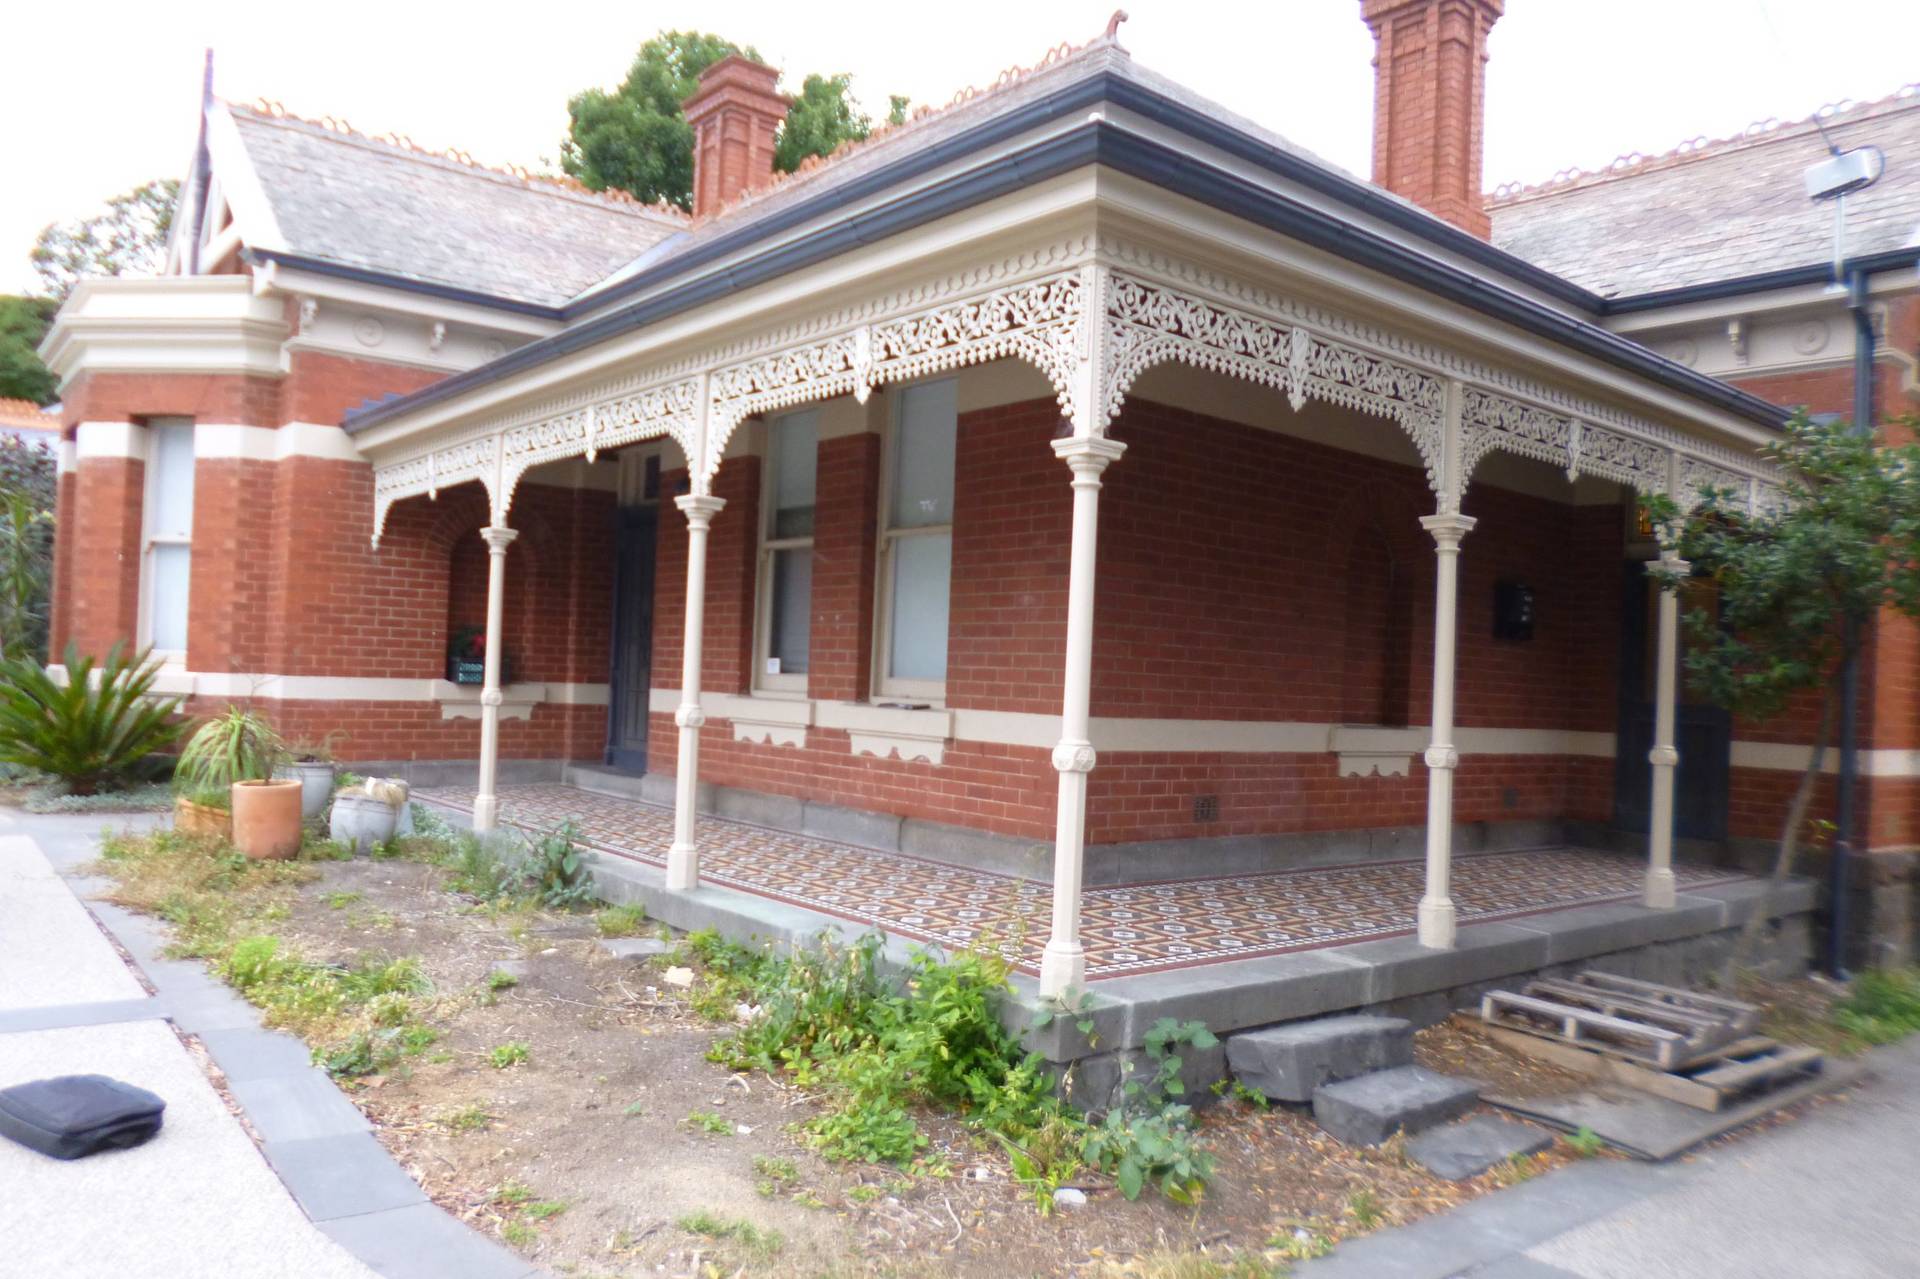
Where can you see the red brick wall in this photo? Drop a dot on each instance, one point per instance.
(846, 513)
(321, 387)
(205, 397)
(103, 566)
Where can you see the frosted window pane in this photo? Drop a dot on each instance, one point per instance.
(171, 457)
(796, 441)
(923, 456)
(792, 609)
(922, 572)
(167, 604)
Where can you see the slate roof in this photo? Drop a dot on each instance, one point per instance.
(391, 208)
(1716, 211)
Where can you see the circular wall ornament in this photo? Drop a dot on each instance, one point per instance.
(1685, 351)
(1812, 337)
(494, 348)
(368, 331)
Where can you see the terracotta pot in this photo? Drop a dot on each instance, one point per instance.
(190, 818)
(266, 818)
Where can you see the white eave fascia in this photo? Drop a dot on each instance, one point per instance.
(278, 277)
(240, 181)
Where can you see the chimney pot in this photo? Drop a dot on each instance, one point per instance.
(1429, 93)
(735, 114)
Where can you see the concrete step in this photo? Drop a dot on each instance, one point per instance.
(1288, 1062)
(1468, 1147)
(1368, 1110)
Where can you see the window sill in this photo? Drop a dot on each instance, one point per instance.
(769, 715)
(462, 701)
(1372, 751)
(888, 731)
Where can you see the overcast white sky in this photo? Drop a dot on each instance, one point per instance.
(97, 98)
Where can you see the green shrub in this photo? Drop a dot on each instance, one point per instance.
(98, 730)
(556, 869)
(478, 868)
(1883, 1007)
(236, 746)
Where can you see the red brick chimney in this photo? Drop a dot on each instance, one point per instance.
(734, 113)
(1429, 90)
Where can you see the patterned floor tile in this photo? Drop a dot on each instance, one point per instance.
(1133, 928)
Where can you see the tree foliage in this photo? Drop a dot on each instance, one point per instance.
(1797, 588)
(127, 237)
(635, 138)
(23, 322)
(26, 546)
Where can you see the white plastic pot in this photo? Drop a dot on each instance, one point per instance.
(316, 786)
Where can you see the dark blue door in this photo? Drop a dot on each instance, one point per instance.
(632, 639)
(1702, 732)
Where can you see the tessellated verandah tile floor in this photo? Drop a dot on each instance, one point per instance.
(1133, 928)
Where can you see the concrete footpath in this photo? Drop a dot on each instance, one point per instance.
(1828, 1194)
(309, 1194)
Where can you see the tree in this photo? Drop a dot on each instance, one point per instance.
(636, 140)
(127, 237)
(23, 322)
(1798, 587)
(26, 546)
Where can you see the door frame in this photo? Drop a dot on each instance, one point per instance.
(635, 527)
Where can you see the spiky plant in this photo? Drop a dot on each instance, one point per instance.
(93, 731)
(238, 745)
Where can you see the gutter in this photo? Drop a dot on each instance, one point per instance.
(1099, 143)
(405, 284)
(1786, 278)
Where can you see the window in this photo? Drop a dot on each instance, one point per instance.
(167, 542)
(786, 551)
(916, 543)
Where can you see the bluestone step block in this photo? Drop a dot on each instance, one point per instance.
(1288, 1062)
(1368, 1110)
(1470, 1146)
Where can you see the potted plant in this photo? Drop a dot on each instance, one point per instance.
(467, 657)
(232, 758)
(311, 765)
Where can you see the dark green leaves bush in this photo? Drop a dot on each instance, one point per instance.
(97, 731)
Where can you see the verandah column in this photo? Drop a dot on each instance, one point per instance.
(1665, 755)
(1063, 965)
(1436, 905)
(486, 804)
(683, 859)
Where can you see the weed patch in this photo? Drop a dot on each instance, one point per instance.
(622, 921)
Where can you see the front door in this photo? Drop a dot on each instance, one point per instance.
(632, 639)
(1703, 733)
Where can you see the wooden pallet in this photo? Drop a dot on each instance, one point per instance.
(1687, 1047)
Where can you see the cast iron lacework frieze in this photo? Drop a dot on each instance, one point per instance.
(1149, 323)
(1035, 321)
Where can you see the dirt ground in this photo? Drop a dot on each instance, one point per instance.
(584, 1157)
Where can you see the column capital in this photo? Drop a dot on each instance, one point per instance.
(498, 538)
(1669, 562)
(1441, 757)
(700, 508)
(1088, 454)
(689, 717)
(1448, 527)
(1663, 757)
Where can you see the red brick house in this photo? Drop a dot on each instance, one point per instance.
(763, 510)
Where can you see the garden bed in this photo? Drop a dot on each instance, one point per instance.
(564, 1100)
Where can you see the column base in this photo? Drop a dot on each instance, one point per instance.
(1660, 890)
(1063, 967)
(683, 868)
(1437, 922)
(486, 813)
